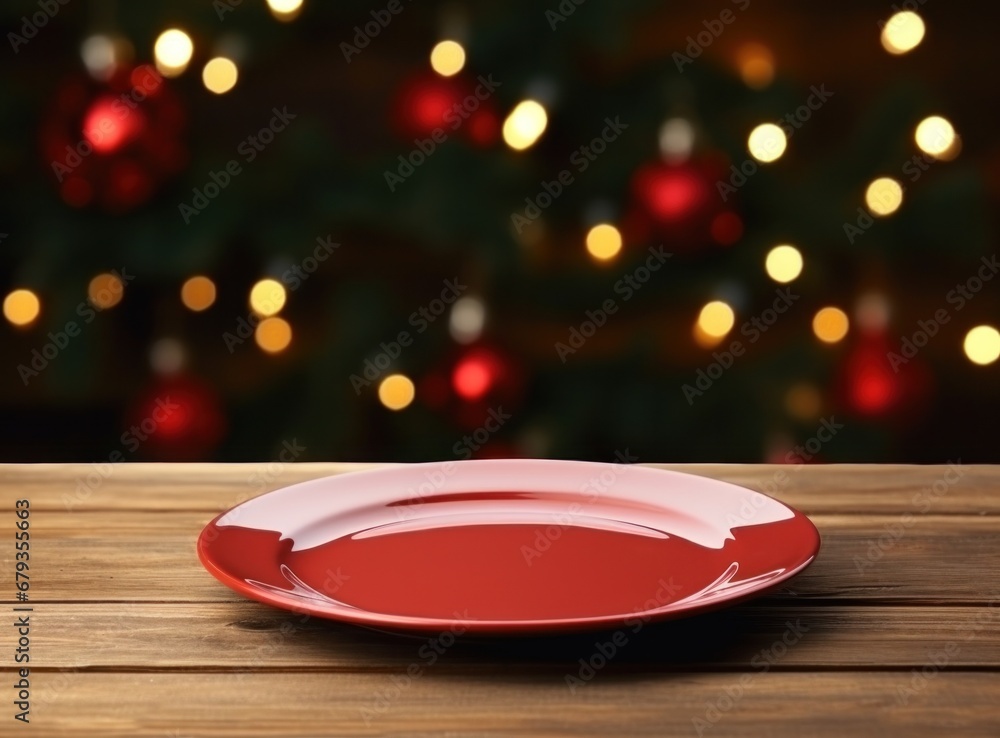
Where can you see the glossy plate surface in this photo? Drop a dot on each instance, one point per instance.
(507, 546)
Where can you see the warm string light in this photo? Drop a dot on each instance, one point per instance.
(783, 263)
(285, 10)
(396, 391)
(982, 345)
(830, 324)
(716, 319)
(766, 143)
(198, 293)
(525, 125)
(903, 32)
(935, 136)
(22, 307)
(884, 196)
(604, 242)
(756, 65)
(173, 51)
(267, 297)
(273, 334)
(447, 58)
(105, 291)
(220, 75)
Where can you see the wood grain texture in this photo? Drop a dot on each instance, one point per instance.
(233, 636)
(834, 489)
(433, 704)
(131, 637)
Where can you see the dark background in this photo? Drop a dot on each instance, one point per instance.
(325, 175)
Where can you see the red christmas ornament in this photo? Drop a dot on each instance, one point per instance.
(874, 384)
(431, 106)
(112, 144)
(679, 204)
(177, 419)
(476, 381)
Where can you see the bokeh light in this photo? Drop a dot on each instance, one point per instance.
(220, 75)
(467, 319)
(273, 334)
(285, 10)
(198, 293)
(99, 56)
(935, 135)
(173, 50)
(676, 139)
(982, 345)
(830, 324)
(267, 297)
(803, 401)
(872, 312)
(396, 391)
(716, 319)
(167, 356)
(604, 241)
(903, 32)
(447, 58)
(22, 307)
(884, 196)
(726, 228)
(783, 263)
(767, 142)
(525, 124)
(474, 375)
(105, 291)
(756, 65)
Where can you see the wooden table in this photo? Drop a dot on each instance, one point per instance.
(894, 630)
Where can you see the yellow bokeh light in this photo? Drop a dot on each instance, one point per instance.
(396, 391)
(756, 65)
(767, 142)
(173, 51)
(447, 58)
(783, 263)
(525, 124)
(716, 319)
(704, 340)
(267, 297)
(198, 293)
(604, 241)
(982, 345)
(903, 32)
(285, 10)
(935, 135)
(273, 335)
(830, 324)
(105, 291)
(884, 196)
(220, 75)
(21, 307)
(803, 401)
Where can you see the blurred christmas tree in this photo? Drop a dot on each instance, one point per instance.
(415, 231)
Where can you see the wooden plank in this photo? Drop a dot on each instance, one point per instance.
(246, 635)
(432, 703)
(128, 555)
(814, 489)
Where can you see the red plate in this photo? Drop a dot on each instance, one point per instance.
(507, 546)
